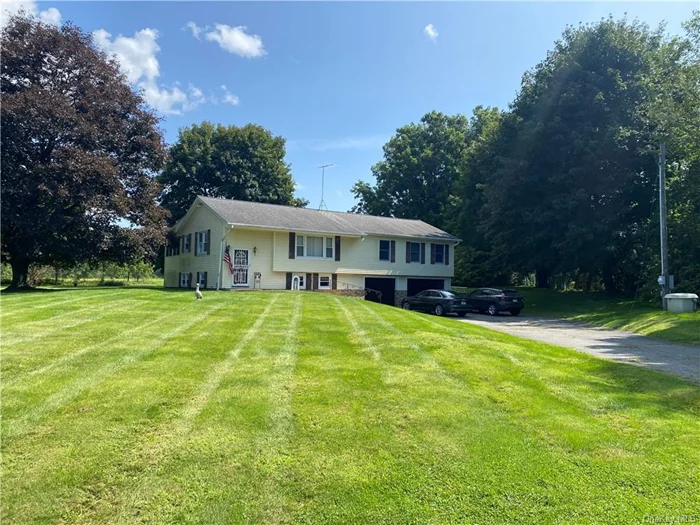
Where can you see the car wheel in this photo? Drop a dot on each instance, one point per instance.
(439, 310)
(406, 305)
(515, 312)
(493, 310)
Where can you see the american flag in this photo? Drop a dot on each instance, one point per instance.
(227, 259)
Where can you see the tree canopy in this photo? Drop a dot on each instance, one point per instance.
(565, 181)
(79, 152)
(421, 163)
(245, 163)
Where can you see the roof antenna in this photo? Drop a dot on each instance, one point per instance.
(323, 206)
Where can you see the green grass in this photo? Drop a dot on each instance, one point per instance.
(621, 314)
(145, 406)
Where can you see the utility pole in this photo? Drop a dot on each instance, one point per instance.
(323, 206)
(662, 224)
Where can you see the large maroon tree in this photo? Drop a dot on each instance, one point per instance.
(79, 153)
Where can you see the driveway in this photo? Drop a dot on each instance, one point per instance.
(623, 347)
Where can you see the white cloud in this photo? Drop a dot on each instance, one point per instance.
(431, 32)
(49, 16)
(196, 30)
(137, 59)
(235, 40)
(229, 98)
(136, 56)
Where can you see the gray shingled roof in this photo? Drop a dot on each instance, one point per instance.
(279, 217)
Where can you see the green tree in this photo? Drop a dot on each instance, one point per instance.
(420, 166)
(577, 168)
(245, 163)
(78, 151)
(475, 264)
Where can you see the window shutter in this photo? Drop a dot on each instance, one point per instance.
(447, 254)
(337, 247)
(179, 280)
(432, 253)
(334, 281)
(208, 242)
(292, 245)
(408, 252)
(314, 286)
(196, 243)
(288, 285)
(189, 242)
(422, 253)
(392, 252)
(189, 280)
(205, 280)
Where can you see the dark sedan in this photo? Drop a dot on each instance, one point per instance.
(495, 301)
(439, 302)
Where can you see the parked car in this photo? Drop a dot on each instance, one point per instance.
(439, 302)
(495, 301)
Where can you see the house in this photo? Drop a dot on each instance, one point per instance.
(277, 247)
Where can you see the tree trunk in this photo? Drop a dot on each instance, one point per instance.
(20, 273)
(609, 281)
(541, 279)
(589, 282)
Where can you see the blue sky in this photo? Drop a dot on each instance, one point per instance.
(334, 79)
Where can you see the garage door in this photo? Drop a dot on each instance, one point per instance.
(385, 285)
(418, 285)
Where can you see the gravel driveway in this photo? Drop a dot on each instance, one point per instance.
(624, 347)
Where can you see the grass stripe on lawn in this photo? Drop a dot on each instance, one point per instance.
(17, 427)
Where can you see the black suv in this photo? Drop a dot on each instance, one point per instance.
(494, 301)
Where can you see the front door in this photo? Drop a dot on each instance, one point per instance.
(240, 267)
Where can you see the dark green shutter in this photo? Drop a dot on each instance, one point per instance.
(392, 256)
(189, 280)
(288, 284)
(334, 281)
(422, 253)
(408, 252)
(292, 244)
(337, 247)
(208, 242)
(447, 254)
(432, 253)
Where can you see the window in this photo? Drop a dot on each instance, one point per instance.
(324, 282)
(321, 247)
(186, 243)
(201, 241)
(184, 280)
(439, 254)
(314, 247)
(415, 252)
(384, 250)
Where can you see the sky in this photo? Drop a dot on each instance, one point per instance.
(336, 79)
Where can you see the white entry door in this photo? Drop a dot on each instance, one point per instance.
(240, 268)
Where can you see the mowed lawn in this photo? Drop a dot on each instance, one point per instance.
(146, 406)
